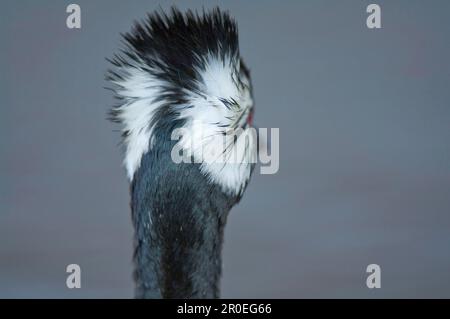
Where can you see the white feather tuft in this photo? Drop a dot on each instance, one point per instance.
(138, 89)
(206, 115)
(219, 81)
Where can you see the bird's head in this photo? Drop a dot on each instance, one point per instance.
(185, 71)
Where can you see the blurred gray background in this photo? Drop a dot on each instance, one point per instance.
(364, 118)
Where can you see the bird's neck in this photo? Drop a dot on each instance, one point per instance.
(179, 222)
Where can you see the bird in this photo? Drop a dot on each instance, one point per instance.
(182, 71)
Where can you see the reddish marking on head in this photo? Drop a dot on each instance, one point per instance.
(250, 117)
